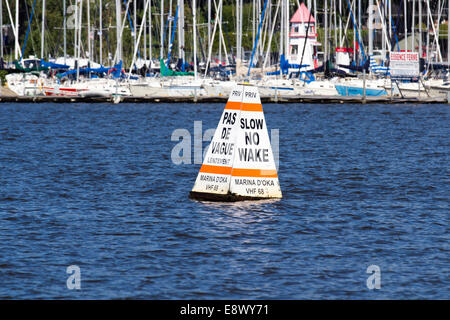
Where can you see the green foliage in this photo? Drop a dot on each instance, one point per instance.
(3, 74)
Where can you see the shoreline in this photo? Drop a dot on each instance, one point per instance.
(190, 99)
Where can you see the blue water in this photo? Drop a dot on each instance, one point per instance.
(93, 185)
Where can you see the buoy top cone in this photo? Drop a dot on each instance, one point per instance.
(239, 163)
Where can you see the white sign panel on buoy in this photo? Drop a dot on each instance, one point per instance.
(215, 173)
(239, 163)
(254, 173)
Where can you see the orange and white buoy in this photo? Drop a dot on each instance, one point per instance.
(239, 163)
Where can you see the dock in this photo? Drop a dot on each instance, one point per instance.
(8, 98)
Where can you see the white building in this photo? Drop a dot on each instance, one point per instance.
(303, 41)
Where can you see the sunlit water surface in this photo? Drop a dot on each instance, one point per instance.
(94, 185)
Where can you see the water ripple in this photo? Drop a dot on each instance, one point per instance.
(93, 185)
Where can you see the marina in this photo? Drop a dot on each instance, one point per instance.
(313, 51)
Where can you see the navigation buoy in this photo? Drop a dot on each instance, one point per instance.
(239, 163)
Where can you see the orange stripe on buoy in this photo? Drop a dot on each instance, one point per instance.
(233, 105)
(215, 169)
(252, 107)
(254, 173)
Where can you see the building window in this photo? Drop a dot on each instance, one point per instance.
(294, 49)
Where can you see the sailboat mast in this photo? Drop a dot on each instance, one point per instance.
(315, 9)
(413, 48)
(80, 16)
(371, 26)
(254, 21)
(269, 26)
(1, 28)
(428, 37)
(326, 32)
(359, 24)
(420, 29)
(169, 51)
(118, 28)
(335, 24)
(390, 19)
(271, 34)
(161, 52)
(406, 24)
(194, 24)
(436, 37)
(144, 25)
(170, 24)
(75, 33)
(384, 31)
(16, 48)
(238, 54)
(286, 27)
(138, 39)
(181, 34)
(258, 19)
(220, 31)
(100, 33)
(209, 23)
(281, 28)
(354, 31)
(240, 28)
(88, 8)
(43, 29)
(340, 23)
(135, 22)
(150, 32)
(64, 30)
